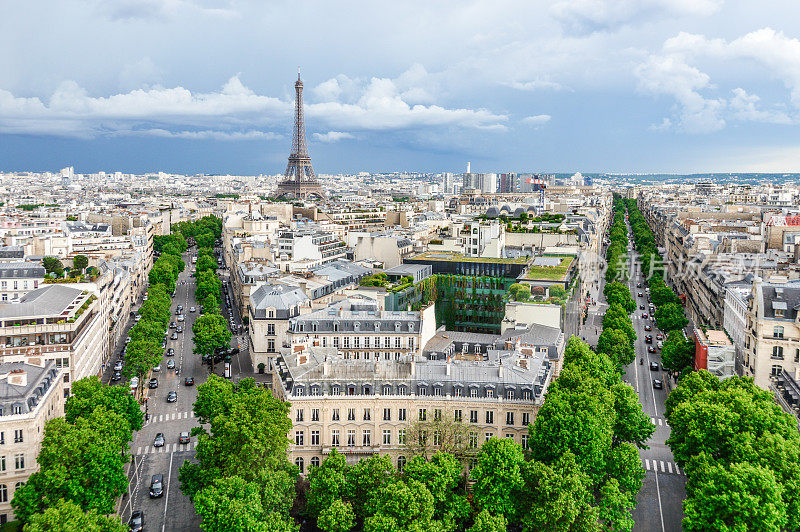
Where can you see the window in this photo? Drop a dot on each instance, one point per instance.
(335, 414)
(490, 417)
(423, 414)
(18, 436)
(366, 342)
(777, 352)
(357, 342)
(367, 438)
(299, 463)
(423, 437)
(509, 418)
(776, 370)
(437, 414)
(777, 331)
(3, 493)
(437, 390)
(271, 329)
(457, 416)
(397, 342)
(473, 392)
(270, 346)
(335, 438)
(367, 414)
(314, 437)
(489, 393)
(524, 441)
(437, 438)
(387, 342)
(336, 390)
(509, 394)
(66, 377)
(315, 461)
(335, 341)
(299, 415)
(346, 342)
(2, 463)
(387, 437)
(401, 436)
(509, 436)
(19, 461)
(526, 418)
(351, 438)
(473, 416)
(473, 440)
(401, 414)
(351, 414)
(315, 414)
(298, 437)
(411, 343)
(387, 414)
(458, 391)
(526, 395)
(487, 436)
(401, 463)
(797, 355)
(422, 390)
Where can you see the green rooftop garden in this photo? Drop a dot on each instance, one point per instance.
(550, 273)
(458, 257)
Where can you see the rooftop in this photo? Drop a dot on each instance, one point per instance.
(50, 300)
(458, 257)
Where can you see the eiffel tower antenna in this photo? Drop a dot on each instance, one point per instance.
(299, 180)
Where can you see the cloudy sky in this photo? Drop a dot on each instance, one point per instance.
(560, 85)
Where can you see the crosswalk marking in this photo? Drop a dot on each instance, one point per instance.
(647, 464)
(678, 471)
(662, 465)
(669, 467)
(665, 466)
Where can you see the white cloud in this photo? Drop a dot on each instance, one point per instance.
(536, 121)
(333, 136)
(670, 75)
(536, 84)
(140, 74)
(206, 134)
(744, 107)
(594, 15)
(161, 9)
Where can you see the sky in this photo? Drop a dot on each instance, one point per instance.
(207, 86)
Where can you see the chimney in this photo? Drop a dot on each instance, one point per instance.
(18, 377)
(326, 367)
(413, 367)
(500, 371)
(448, 365)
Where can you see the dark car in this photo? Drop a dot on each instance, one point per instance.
(178, 311)
(638, 285)
(159, 440)
(648, 339)
(184, 437)
(233, 351)
(641, 294)
(172, 397)
(648, 327)
(651, 349)
(179, 329)
(641, 307)
(188, 381)
(657, 384)
(644, 315)
(171, 352)
(659, 336)
(157, 486)
(653, 366)
(153, 383)
(172, 325)
(136, 524)
(174, 336)
(116, 376)
(170, 364)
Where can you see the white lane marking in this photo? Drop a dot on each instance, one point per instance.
(166, 497)
(138, 450)
(662, 466)
(677, 470)
(669, 467)
(647, 464)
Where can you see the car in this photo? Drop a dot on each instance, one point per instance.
(172, 396)
(163, 344)
(648, 339)
(653, 366)
(170, 364)
(159, 440)
(659, 336)
(153, 383)
(181, 318)
(651, 349)
(179, 329)
(233, 351)
(638, 285)
(184, 437)
(157, 486)
(136, 522)
(192, 309)
(174, 336)
(648, 327)
(157, 368)
(116, 376)
(134, 382)
(188, 381)
(170, 352)
(179, 310)
(118, 366)
(127, 340)
(137, 318)
(660, 345)
(641, 294)
(657, 384)
(641, 307)
(644, 315)
(172, 325)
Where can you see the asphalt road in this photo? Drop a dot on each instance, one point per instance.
(172, 511)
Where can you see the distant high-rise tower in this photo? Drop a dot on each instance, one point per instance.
(299, 181)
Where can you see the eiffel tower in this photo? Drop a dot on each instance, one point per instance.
(299, 180)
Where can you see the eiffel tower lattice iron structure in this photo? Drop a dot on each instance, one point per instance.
(299, 180)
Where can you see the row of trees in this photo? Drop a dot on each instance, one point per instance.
(740, 452)
(81, 462)
(55, 268)
(678, 352)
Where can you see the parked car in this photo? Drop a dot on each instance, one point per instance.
(134, 382)
(192, 309)
(137, 318)
(170, 364)
(118, 366)
(641, 307)
(163, 343)
(157, 368)
(171, 352)
(174, 336)
(157, 486)
(179, 329)
(153, 383)
(180, 317)
(644, 316)
(159, 440)
(641, 294)
(648, 327)
(136, 523)
(660, 345)
(172, 325)
(116, 376)
(657, 384)
(651, 349)
(172, 397)
(659, 336)
(184, 437)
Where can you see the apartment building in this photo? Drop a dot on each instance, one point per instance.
(735, 319)
(271, 308)
(362, 407)
(58, 323)
(714, 352)
(19, 278)
(772, 344)
(307, 249)
(31, 393)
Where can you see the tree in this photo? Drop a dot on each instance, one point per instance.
(662, 294)
(520, 292)
(406, 506)
(53, 265)
(163, 272)
(337, 517)
(452, 436)
(326, 483)
(677, 354)
(80, 262)
(211, 334)
(147, 329)
(66, 516)
(616, 318)
(631, 423)
(211, 304)
(365, 478)
(206, 263)
(444, 478)
(205, 240)
(498, 476)
(670, 317)
(89, 393)
(233, 505)
(619, 294)
(140, 358)
(486, 522)
(558, 291)
(617, 345)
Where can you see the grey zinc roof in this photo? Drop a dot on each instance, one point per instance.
(50, 300)
(277, 296)
(40, 379)
(534, 335)
(789, 301)
(10, 252)
(357, 313)
(31, 270)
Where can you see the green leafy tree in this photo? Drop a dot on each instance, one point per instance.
(66, 516)
(444, 478)
(89, 393)
(327, 483)
(557, 291)
(617, 345)
(140, 358)
(205, 240)
(337, 517)
(486, 522)
(80, 262)
(619, 294)
(498, 476)
(211, 334)
(233, 505)
(210, 305)
(163, 272)
(631, 423)
(670, 317)
(206, 263)
(365, 478)
(53, 265)
(147, 330)
(616, 318)
(406, 506)
(677, 354)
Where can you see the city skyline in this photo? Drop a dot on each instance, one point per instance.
(655, 86)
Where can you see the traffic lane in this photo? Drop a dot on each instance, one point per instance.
(180, 514)
(673, 493)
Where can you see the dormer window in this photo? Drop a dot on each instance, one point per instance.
(411, 327)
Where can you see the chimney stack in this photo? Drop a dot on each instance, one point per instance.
(448, 365)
